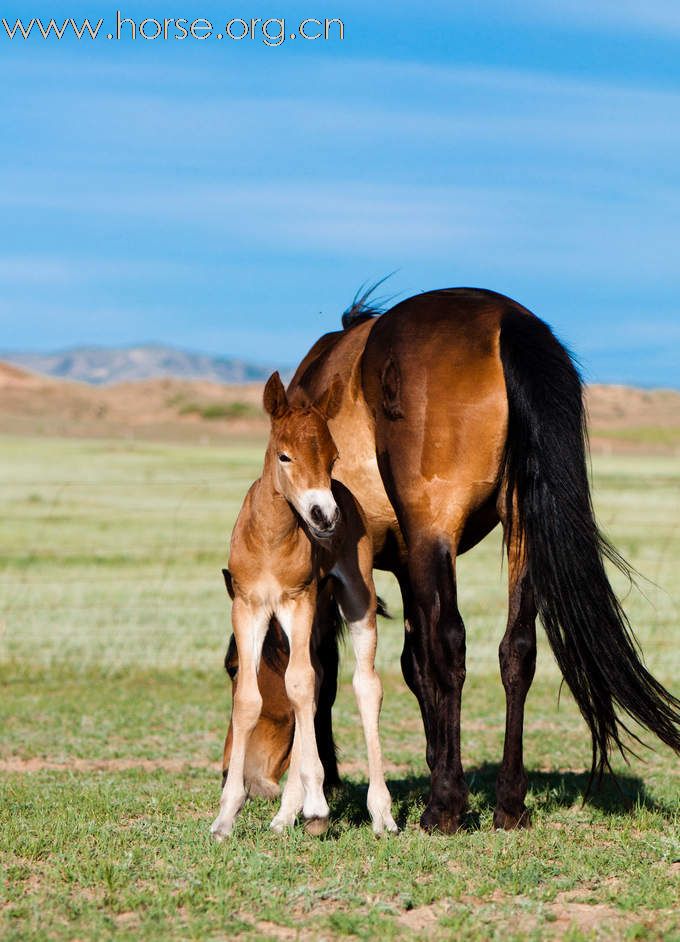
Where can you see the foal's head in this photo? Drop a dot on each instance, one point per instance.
(303, 453)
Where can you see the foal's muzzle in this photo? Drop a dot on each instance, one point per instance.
(323, 522)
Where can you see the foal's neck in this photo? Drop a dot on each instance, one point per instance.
(271, 512)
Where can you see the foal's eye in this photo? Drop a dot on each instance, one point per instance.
(284, 458)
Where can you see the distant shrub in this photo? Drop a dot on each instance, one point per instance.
(219, 410)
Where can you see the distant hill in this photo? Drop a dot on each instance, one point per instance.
(622, 419)
(100, 366)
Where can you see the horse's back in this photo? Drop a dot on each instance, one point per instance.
(433, 380)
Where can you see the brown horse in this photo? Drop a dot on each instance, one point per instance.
(298, 529)
(461, 410)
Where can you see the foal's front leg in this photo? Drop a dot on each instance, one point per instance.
(250, 627)
(296, 619)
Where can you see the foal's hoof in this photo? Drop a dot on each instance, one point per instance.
(220, 829)
(283, 821)
(316, 826)
(386, 823)
(443, 821)
(504, 821)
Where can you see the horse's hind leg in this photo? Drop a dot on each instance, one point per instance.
(437, 645)
(517, 655)
(326, 648)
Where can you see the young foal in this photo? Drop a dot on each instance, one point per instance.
(297, 527)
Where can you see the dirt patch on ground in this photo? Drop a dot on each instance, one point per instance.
(17, 764)
(569, 911)
(421, 918)
(622, 418)
(273, 931)
(127, 920)
(587, 918)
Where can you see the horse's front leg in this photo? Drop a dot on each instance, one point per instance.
(412, 668)
(297, 618)
(250, 627)
(356, 594)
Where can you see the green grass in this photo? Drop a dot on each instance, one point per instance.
(113, 623)
(665, 435)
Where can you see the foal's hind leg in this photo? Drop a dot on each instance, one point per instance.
(293, 793)
(250, 628)
(517, 655)
(296, 619)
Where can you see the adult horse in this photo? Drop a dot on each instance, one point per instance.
(462, 410)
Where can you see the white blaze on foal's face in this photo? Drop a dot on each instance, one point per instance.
(303, 451)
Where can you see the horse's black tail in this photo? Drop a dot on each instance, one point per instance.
(549, 506)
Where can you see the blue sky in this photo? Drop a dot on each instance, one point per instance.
(230, 197)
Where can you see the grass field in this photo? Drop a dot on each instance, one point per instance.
(113, 624)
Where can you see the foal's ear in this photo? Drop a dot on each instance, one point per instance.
(229, 584)
(275, 400)
(329, 402)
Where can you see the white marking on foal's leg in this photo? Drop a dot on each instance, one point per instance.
(368, 691)
(293, 793)
(296, 621)
(249, 629)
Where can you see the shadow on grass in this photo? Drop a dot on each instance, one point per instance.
(548, 791)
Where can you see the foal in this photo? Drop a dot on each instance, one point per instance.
(297, 527)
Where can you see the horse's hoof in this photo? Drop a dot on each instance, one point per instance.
(504, 821)
(445, 822)
(316, 826)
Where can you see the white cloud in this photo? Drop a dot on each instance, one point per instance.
(563, 233)
(64, 271)
(659, 16)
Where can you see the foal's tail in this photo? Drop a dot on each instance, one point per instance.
(549, 505)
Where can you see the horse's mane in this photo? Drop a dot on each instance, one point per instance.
(364, 306)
